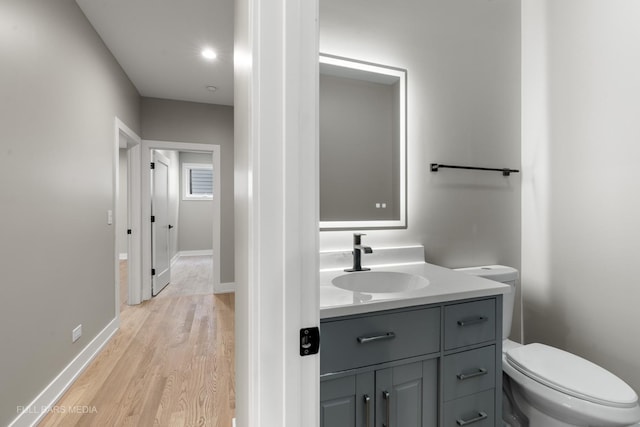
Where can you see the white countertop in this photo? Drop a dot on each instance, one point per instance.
(444, 285)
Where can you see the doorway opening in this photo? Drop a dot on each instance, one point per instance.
(184, 190)
(184, 234)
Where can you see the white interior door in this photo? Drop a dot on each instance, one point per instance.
(160, 228)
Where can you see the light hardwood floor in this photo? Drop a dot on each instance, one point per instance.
(171, 363)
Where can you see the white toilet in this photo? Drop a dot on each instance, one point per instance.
(547, 387)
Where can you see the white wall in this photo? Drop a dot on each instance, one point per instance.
(60, 93)
(581, 205)
(463, 68)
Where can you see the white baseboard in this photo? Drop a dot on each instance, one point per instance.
(225, 288)
(201, 252)
(174, 259)
(123, 256)
(33, 413)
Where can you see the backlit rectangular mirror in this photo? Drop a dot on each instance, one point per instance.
(362, 145)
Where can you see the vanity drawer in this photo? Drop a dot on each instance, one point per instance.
(372, 339)
(469, 323)
(469, 372)
(477, 410)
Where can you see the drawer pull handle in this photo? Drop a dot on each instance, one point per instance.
(387, 397)
(478, 373)
(367, 406)
(472, 321)
(387, 336)
(481, 416)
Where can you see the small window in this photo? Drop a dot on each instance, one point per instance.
(198, 181)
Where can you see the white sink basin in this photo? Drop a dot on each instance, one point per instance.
(380, 282)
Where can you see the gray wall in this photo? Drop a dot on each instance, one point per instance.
(61, 90)
(195, 227)
(463, 68)
(581, 203)
(204, 124)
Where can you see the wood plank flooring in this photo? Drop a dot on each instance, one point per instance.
(171, 363)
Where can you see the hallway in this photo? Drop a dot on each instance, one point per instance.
(171, 363)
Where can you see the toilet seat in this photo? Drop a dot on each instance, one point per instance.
(563, 407)
(571, 375)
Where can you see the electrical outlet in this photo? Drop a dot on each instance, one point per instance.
(76, 333)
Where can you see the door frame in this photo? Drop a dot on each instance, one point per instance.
(145, 175)
(276, 211)
(125, 137)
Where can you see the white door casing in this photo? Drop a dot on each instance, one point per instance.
(125, 137)
(160, 227)
(276, 211)
(134, 247)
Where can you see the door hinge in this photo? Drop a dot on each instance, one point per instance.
(153, 165)
(309, 341)
(153, 271)
(129, 231)
(153, 218)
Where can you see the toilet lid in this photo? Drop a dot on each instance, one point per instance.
(571, 374)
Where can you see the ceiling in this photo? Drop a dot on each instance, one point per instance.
(158, 43)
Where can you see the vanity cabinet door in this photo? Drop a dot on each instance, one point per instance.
(407, 395)
(347, 401)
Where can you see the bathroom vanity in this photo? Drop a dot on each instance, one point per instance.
(429, 356)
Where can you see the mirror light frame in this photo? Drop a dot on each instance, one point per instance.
(402, 75)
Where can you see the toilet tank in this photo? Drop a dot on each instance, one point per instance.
(502, 274)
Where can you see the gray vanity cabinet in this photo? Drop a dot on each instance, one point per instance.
(407, 395)
(426, 366)
(347, 401)
(403, 395)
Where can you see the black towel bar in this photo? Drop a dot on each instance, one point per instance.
(505, 171)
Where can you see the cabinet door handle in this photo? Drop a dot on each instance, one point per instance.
(468, 322)
(481, 416)
(367, 408)
(387, 336)
(387, 397)
(479, 372)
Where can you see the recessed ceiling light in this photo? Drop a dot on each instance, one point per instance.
(212, 88)
(208, 53)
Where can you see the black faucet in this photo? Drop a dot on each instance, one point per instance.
(358, 248)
